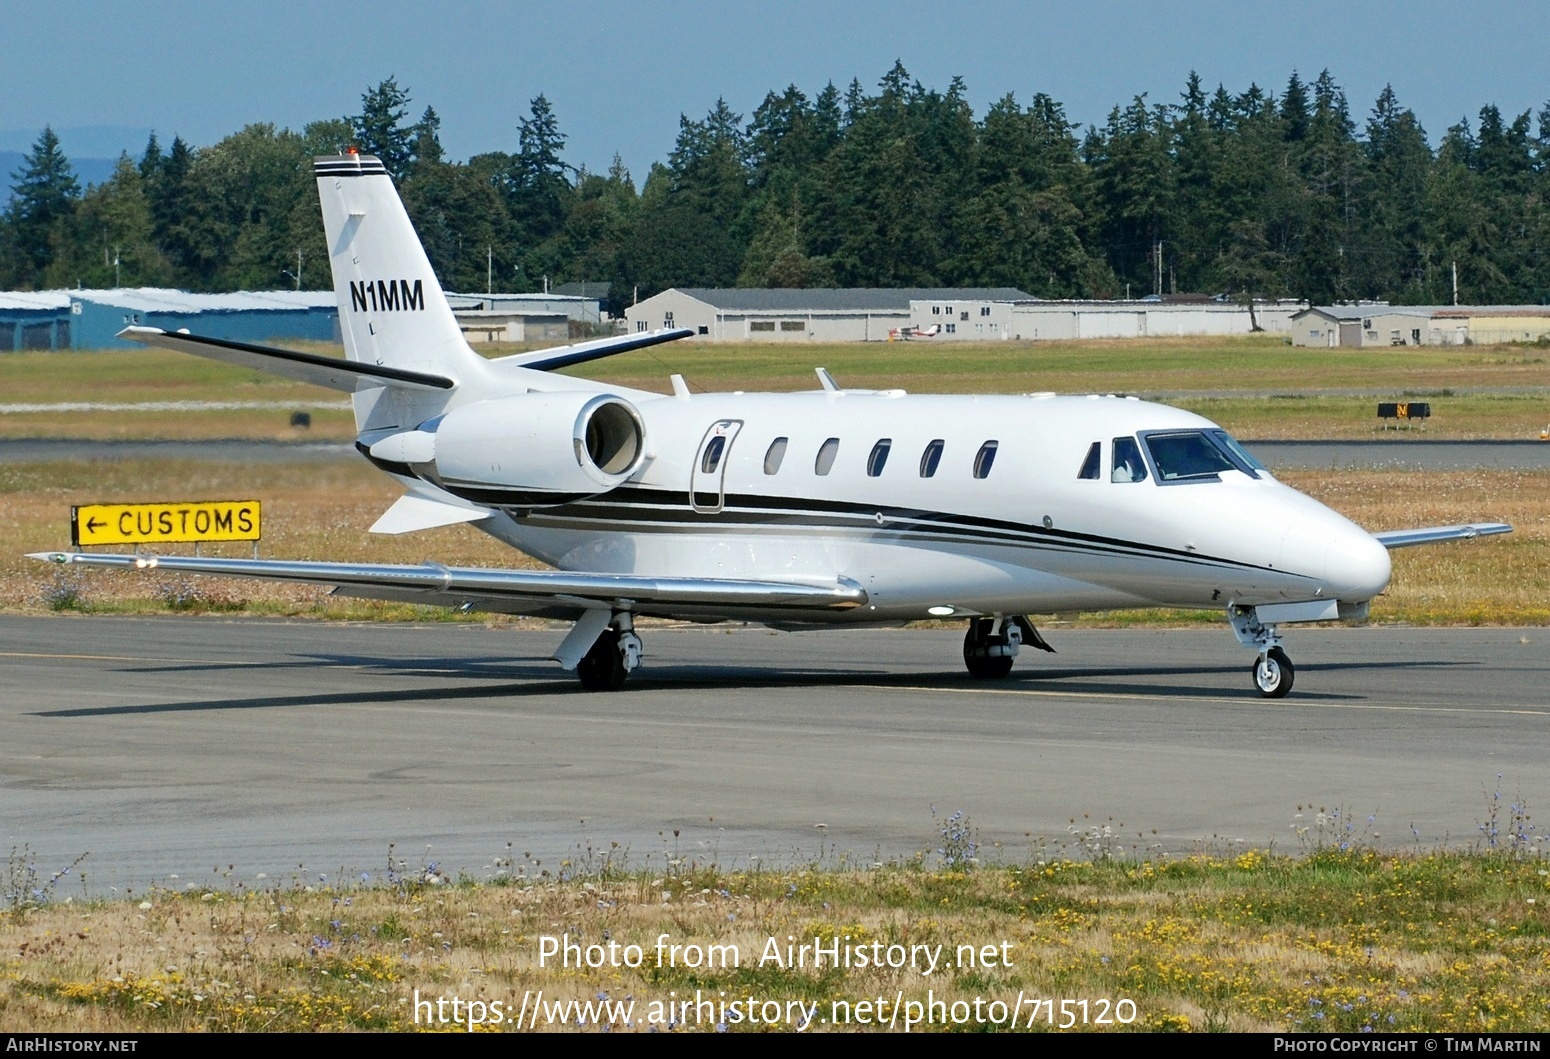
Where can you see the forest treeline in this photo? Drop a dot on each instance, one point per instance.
(1218, 193)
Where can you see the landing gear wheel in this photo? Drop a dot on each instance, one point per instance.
(980, 666)
(988, 668)
(602, 668)
(1273, 674)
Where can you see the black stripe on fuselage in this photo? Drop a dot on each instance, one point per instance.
(662, 511)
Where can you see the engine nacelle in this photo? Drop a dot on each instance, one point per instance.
(528, 450)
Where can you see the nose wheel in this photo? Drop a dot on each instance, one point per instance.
(1274, 673)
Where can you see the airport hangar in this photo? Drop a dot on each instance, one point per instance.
(1382, 324)
(92, 319)
(872, 314)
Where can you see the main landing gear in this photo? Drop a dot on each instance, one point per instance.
(603, 650)
(991, 645)
(1273, 672)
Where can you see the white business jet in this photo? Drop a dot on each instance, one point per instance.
(833, 506)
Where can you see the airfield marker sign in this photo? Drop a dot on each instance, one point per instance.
(197, 522)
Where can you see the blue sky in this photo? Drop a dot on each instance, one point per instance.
(619, 74)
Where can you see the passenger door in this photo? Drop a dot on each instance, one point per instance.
(707, 478)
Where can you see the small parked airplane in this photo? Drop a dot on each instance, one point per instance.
(832, 506)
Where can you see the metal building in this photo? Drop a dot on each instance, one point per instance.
(1035, 320)
(1381, 324)
(761, 314)
(556, 317)
(91, 319)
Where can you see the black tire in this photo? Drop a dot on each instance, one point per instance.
(602, 668)
(1273, 675)
(979, 666)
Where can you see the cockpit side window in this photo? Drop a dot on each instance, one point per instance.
(1128, 465)
(1089, 471)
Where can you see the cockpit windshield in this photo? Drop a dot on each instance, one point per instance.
(1197, 455)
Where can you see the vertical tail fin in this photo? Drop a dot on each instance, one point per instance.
(392, 311)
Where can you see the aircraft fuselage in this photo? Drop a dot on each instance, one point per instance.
(942, 505)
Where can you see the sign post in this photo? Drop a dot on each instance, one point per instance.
(199, 522)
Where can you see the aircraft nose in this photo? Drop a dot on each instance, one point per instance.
(1356, 566)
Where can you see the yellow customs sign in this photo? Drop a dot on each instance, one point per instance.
(213, 520)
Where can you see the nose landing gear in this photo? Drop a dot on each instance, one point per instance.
(1273, 672)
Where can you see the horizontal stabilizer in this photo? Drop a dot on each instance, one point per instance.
(412, 512)
(506, 590)
(565, 356)
(1433, 534)
(332, 372)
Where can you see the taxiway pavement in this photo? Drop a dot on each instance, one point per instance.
(183, 751)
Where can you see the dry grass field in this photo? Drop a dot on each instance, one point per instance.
(322, 511)
(1088, 937)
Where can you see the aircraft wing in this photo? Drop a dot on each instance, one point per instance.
(1433, 534)
(335, 373)
(546, 592)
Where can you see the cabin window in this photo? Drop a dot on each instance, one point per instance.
(774, 454)
(931, 457)
(878, 458)
(826, 453)
(1089, 471)
(712, 458)
(985, 458)
(1128, 465)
